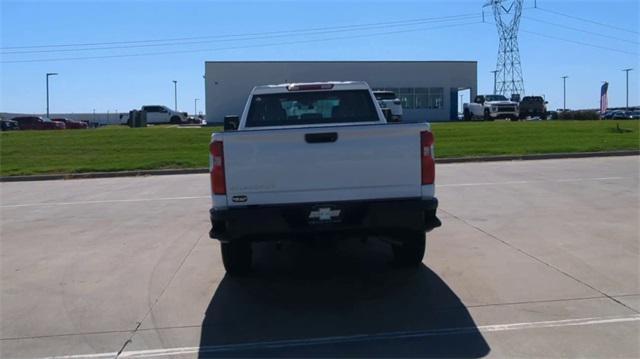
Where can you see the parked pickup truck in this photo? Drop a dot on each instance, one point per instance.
(491, 107)
(388, 99)
(318, 160)
(533, 106)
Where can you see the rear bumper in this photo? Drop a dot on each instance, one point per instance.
(263, 223)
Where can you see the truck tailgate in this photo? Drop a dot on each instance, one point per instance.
(309, 165)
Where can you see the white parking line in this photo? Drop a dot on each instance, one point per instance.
(101, 201)
(529, 182)
(358, 338)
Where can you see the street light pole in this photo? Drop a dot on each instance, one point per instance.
(495, 84)
(175, 95)
(627, 71)
(195, 107)
(49, 74)
(564, 90)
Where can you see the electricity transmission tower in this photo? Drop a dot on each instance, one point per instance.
(507, 15)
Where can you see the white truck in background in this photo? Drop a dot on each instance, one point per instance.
(163, 114)
(320, 160)
(491, 107)
(388, 99)
(156, 114)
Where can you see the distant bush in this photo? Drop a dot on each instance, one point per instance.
(578, 115)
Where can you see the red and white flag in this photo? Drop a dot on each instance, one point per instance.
(604, 100)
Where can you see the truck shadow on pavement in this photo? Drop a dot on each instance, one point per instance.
(341, 300)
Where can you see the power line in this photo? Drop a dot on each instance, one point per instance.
(587, 20)
(582, 30)
(573, 41)
(580, 43)
(242, 46)
(282, 34)
(240, 35)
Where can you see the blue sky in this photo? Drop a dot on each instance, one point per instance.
(123, 83)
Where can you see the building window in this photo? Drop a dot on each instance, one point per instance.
(407, 96)
(418, 97)
(422, 97)
(436, 97)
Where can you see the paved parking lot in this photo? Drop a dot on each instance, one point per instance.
(534, 259)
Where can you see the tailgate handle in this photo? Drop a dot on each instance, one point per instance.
(321, 137)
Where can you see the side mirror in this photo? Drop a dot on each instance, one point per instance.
(231, 122)
(546, 102)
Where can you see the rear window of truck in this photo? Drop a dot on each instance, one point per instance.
(310, 108)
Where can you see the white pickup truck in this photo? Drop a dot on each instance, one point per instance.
(319, 160)
(388, 99)
(491, 107)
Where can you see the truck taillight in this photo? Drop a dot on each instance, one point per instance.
(426, 156)
(309, 87)
(218, 184)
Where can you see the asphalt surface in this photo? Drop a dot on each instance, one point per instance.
(534, 259)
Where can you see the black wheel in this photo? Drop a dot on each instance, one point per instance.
(175, 120)
(410, 252)
(487, 115)
(514, 118)
(236, 257)
(467, 115)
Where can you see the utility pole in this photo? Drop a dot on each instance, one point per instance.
(195, 107)
(627, 71)
(564, 87)
(495, 74)
(175, 95)
(49, 74)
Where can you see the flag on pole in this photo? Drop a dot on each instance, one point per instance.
(604, 101)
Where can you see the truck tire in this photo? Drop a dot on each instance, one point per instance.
(236, 257)
(175, 120)
(467, 115)
(410, 252)
(487, 115)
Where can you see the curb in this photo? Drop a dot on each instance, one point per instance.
(139, 173)
(548, 156)
(89, 175)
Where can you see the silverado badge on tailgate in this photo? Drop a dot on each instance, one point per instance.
(324, 214)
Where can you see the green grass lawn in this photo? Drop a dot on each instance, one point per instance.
(534, 137)
(119, 148)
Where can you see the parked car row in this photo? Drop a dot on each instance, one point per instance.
(42, 123)
(621, 115)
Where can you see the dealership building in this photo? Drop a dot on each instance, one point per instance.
(429, 90)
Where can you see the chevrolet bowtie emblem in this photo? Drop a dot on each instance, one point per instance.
(324, 214)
